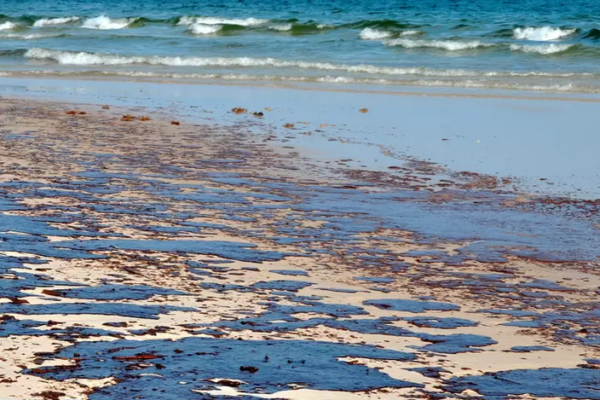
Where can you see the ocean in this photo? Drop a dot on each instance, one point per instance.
(532, 45)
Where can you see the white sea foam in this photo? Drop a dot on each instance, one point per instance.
(567, 87)
(410, 33)
(44, 22)
(544, 33)
(203, 29)
(347, 79)
(222, 21)
(544, 49)
(374, 34)
(281, 27)
(449, 45)
(336, 79)
(84, 58)
(26, 36)
(441, 81)
(186, 20)
(7, 26)
(103, 22)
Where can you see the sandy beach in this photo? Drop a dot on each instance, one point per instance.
(236, 249)
(304, 200)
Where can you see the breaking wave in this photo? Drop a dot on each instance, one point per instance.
(449, 45)
(374, 34)
(411, 32)
(44, 22)
(203, 29)
(28, 36)
(7, 26)
(296, 28)
(85, 58)
(105, 23)
(282, 27)
(545, 49)
(221, 21)
(541, 34)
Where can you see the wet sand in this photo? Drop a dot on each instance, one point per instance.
(545, 142)
(143, 259)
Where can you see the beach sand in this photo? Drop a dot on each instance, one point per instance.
(220, 257)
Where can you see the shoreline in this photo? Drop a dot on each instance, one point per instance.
(142, 254)
(357, 88)
(530, 141)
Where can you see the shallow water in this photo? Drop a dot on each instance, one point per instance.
(530, 139)
(533, 45)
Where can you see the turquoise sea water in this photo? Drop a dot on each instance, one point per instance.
(551, 45)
